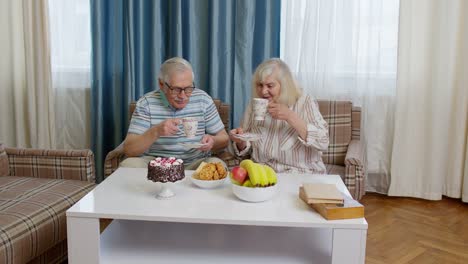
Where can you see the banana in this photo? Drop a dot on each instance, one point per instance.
(262, 174)
(271, 174)
(259, 175)
(244, 164)
(249, 166)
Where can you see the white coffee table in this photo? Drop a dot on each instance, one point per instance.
(207, 226)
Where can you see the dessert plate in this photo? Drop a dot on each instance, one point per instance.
(193, 145)
(247, 136)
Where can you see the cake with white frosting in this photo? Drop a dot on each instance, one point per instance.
(166, 169)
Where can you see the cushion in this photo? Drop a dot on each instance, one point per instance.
(338, 116)
(4, 166)
(336, 170)
(49, 163)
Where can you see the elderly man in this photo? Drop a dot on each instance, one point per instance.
(155, 129)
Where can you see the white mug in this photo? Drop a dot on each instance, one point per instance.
(190, 126)
(260, 106)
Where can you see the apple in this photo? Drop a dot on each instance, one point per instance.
(238, 175)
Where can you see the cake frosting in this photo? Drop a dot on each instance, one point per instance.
(166, 169)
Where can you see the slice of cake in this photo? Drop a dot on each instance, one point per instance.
(166, 169)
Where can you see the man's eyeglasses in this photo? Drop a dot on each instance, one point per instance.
(178, 90)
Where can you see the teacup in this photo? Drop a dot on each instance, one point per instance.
(260, 108)
(190, 126)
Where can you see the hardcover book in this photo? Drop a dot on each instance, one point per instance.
(322, 193)
(349, 209)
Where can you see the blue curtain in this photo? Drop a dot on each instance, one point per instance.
(224, 41)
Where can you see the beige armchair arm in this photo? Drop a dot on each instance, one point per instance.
(355, 169)
(113, 160)
(55, 164)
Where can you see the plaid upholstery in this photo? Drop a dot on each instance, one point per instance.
(355, 169)
(338, 116)
(345, 155)
(57, 254)
(32, 216)
(337, 170)
(113, 160)
(223, 110)
(54, 164)
(4, 169)
(356, 123)
(116, 156)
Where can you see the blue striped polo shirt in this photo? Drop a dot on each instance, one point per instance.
(153, 108)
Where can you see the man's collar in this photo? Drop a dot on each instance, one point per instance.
(164, 98)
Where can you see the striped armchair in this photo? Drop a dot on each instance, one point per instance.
(346, 154)
(36, 188)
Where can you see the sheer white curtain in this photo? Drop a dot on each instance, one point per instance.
(347, 50)
(430, 156)
(12, 73)
(26, 101)
(71, 70)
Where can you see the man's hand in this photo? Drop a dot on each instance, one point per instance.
(279, 111)
(168, 127)
(208, 141)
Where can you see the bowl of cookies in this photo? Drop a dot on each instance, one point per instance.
(210, 175)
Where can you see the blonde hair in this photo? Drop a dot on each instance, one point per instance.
(172, 65)
(290, 90)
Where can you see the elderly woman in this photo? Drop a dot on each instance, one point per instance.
(293, 133)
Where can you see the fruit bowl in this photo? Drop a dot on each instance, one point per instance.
(254, 194)
(208, 184)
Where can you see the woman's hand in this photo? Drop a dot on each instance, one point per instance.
(239, 143)
(279, 111)
(282, 112)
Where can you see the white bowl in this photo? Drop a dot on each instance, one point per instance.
(208, 184)
(254, 194)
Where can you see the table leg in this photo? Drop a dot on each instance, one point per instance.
(83, 240)
(349, 246)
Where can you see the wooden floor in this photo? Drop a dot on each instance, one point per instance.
(408, 230)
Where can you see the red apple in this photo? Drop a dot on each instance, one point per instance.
(238, 175)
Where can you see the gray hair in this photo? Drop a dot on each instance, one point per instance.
(290, 89)
(173, 65)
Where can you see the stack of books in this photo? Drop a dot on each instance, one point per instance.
(329, 202)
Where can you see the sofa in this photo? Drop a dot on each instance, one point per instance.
(37, 186)
(345, 155)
